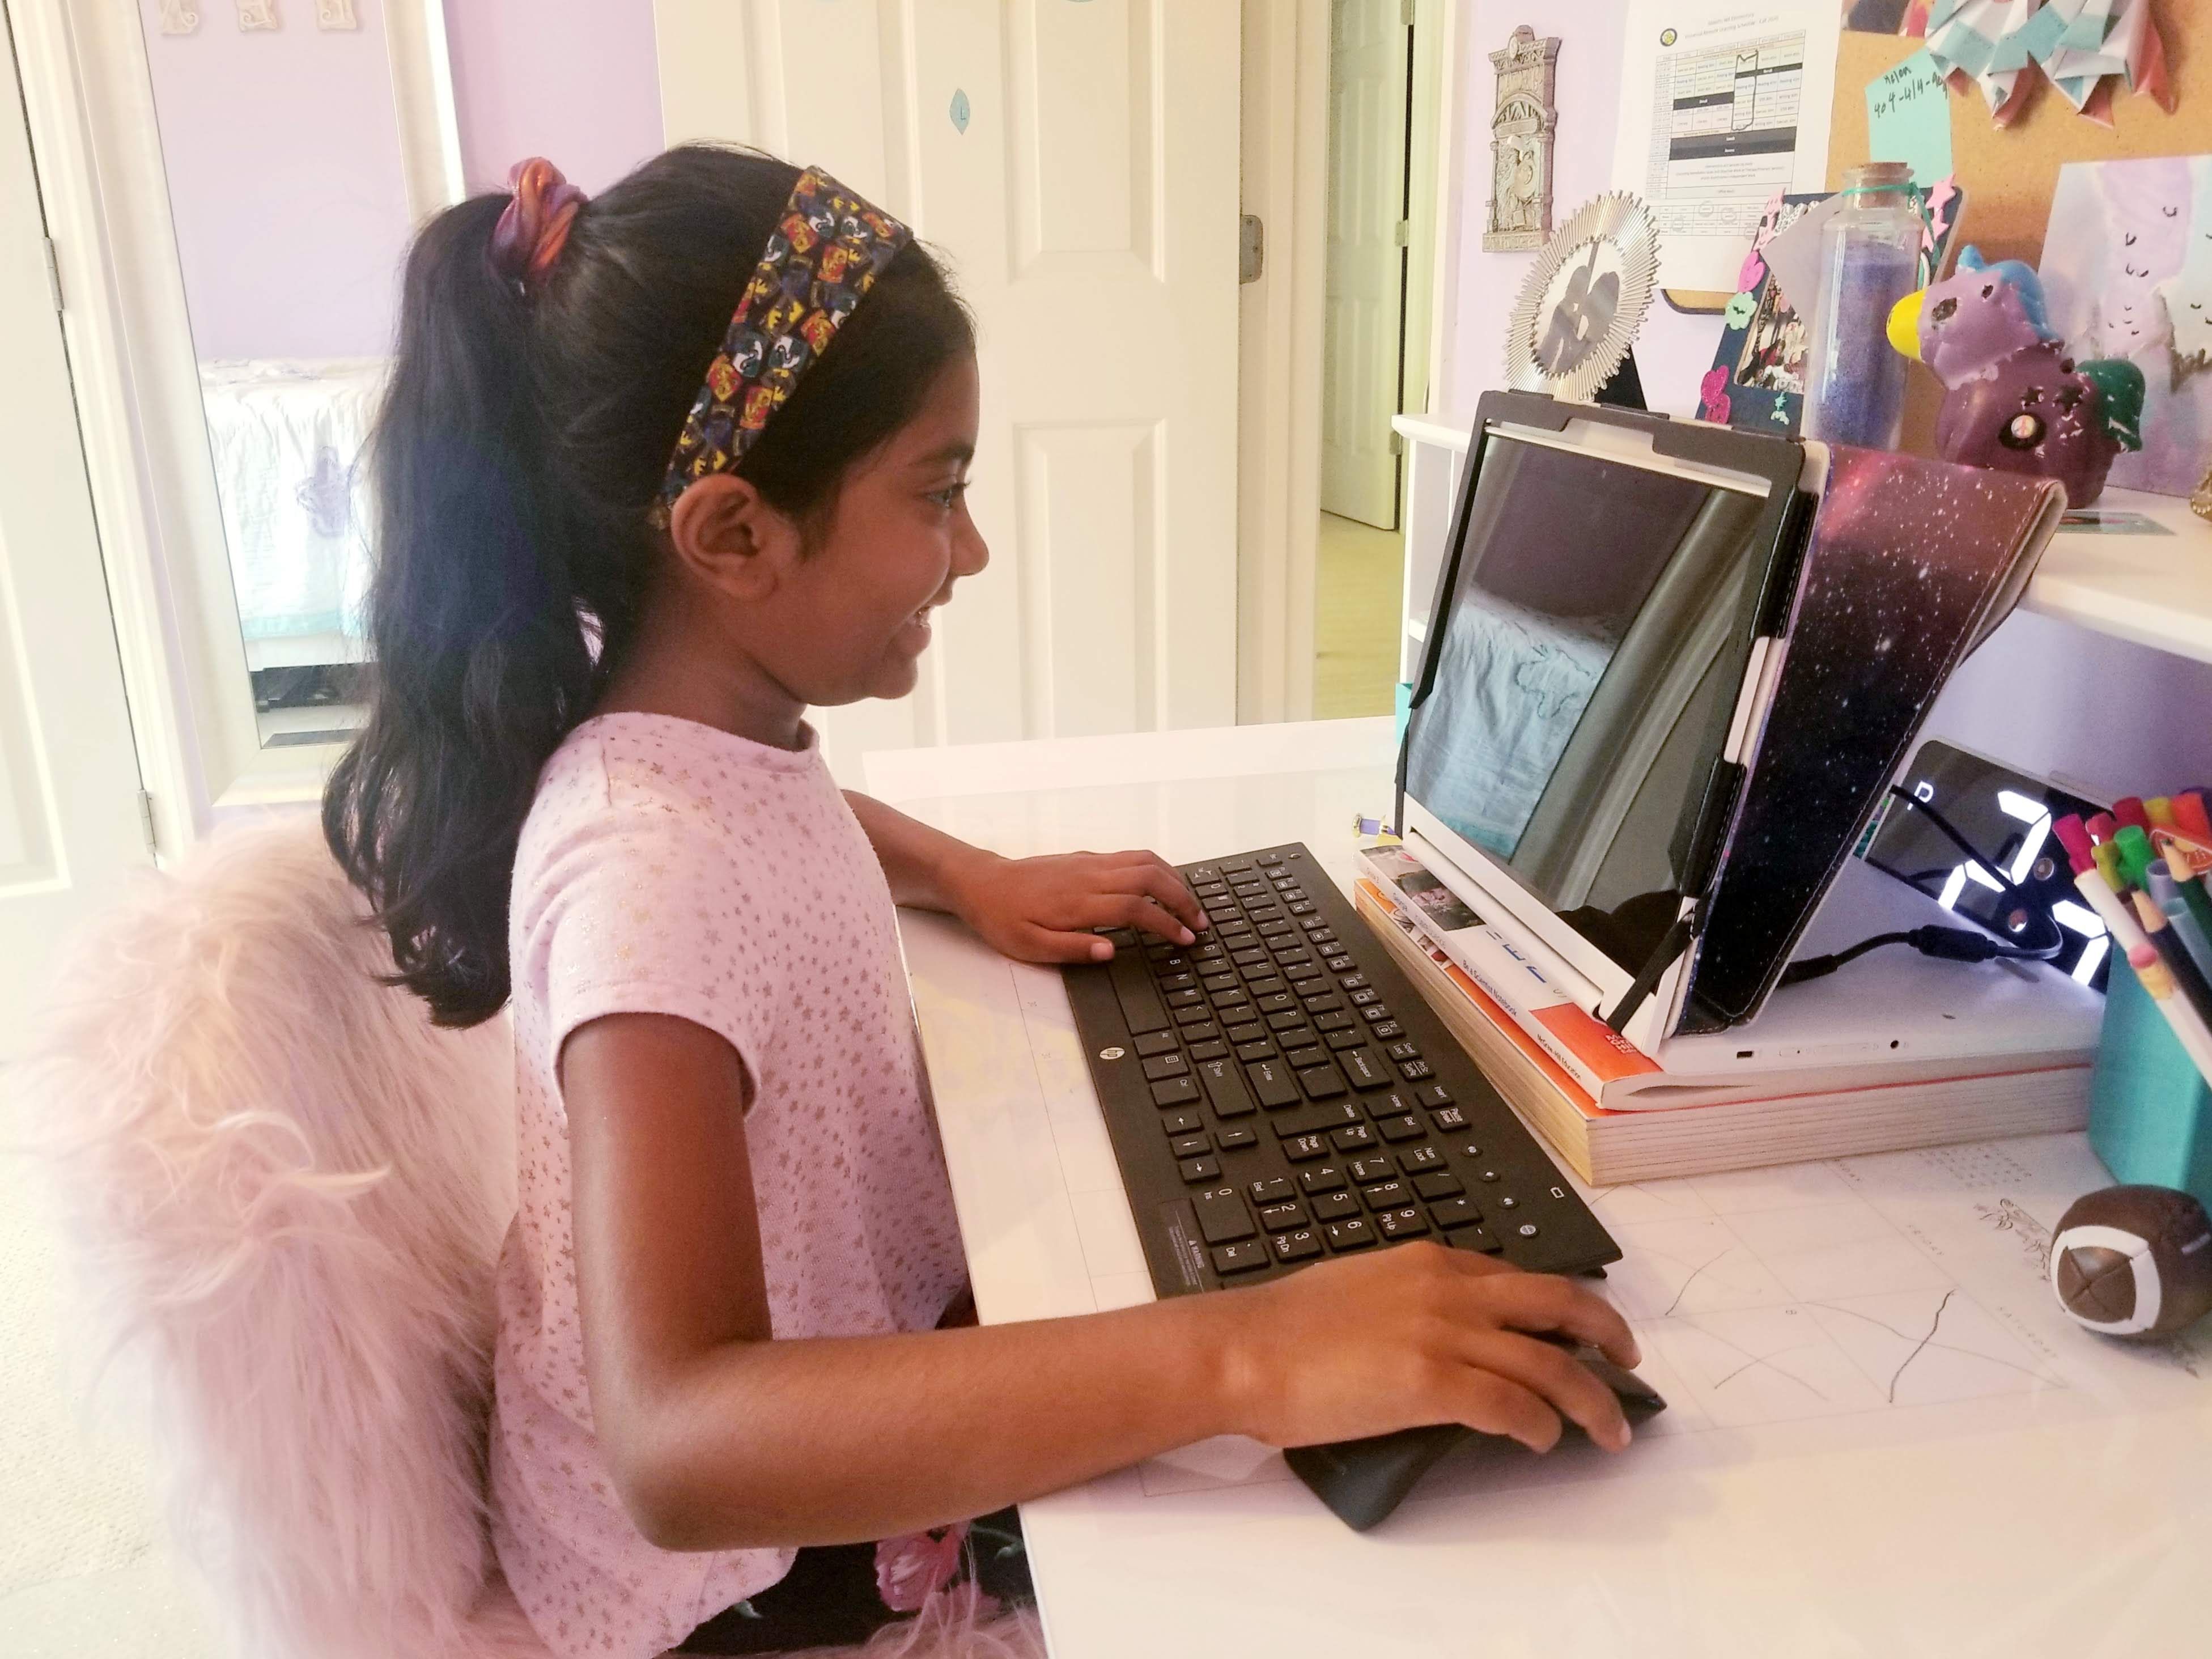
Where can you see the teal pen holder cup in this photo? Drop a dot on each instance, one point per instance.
(2150, 1113)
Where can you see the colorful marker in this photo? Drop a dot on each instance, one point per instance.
(2190, 817)
(2108, 866)
(2158, 808)
(2129, 809)
(2095, 889)
(2187, 980)
(2165, 893)
(2137, 857)
(2101, 828)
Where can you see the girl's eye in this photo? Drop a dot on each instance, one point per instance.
(947, 496)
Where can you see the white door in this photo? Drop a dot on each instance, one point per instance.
(70, 823)
(1078, 164)
(1364, 317)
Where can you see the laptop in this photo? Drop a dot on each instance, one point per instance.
(1604, 643)
(1590, 733)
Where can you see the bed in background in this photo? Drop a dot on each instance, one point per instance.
(287, 435)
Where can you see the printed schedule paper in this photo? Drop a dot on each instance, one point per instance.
(1723, 105)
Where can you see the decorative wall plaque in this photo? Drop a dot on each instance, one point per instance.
(1521, 134)
(257, 15)
(335, 14)
(179, 17)
(1581, 304)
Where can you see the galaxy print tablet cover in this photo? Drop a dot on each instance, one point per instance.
(1910, 564)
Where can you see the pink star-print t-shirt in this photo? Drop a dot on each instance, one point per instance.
(671, 868)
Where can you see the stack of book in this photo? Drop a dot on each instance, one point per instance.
(1615, 1115)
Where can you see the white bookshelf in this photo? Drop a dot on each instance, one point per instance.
(2152, 590)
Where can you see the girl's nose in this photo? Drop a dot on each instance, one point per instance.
(969, 555)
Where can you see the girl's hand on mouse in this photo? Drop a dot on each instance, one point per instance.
(1043, 909)
(1420, 1334)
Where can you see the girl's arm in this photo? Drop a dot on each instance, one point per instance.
(719, 1437)
(1039, 909)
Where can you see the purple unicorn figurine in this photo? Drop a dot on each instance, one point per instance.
(2015, 399)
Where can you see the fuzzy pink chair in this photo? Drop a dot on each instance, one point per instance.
(287, 1191)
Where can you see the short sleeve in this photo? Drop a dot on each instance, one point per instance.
(641, 911)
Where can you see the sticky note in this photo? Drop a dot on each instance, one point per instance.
(1909, 119)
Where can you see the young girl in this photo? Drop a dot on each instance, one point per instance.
(607, 594)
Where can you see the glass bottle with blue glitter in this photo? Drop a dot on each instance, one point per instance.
(1869, 261)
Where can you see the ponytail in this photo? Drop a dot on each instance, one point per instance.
(522, 442)
(482, 659)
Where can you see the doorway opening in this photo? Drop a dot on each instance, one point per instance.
(1383, 90)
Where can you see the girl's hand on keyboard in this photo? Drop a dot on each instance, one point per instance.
(1043, 909)
(1420, 1334)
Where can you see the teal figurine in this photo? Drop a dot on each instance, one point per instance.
(2015, 399)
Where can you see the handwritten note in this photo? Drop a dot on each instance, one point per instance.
(1909, 119)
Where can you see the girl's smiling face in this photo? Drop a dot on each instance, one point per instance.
(760, 615)
(886, 556)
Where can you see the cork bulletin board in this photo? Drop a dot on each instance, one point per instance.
(2010, 174)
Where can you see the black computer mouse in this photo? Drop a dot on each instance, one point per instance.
(1362, 1481)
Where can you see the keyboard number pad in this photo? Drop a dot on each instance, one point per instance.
(1229, 1259)
(1334, 1206)
(1352, 1233)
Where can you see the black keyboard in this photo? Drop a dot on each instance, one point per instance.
(1277, 1093)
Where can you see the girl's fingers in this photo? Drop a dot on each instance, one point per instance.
(1033, 944)
(1545, 1302)
(1490, 1404)
(1567, 1385)
(1150, 874)
(1129, 910)
(1165, 888)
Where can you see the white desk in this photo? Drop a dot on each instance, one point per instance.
(2031, 1490)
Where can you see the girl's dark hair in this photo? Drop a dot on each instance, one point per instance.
(514, 461)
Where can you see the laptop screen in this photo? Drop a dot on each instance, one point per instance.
(1592, 650)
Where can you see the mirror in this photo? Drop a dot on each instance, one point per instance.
(292, 137)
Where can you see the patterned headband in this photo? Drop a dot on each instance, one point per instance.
(824, 254)
(534, 228)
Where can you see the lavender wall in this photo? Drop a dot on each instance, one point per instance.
(283, 154)
(573, 80)
(1674, 351)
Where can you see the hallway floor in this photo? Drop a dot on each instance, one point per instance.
(1357, 578)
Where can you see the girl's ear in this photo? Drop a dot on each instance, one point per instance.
(726, 535)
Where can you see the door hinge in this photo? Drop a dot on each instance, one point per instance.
(146, 821)
(1403, 234)
(53, 274)
(1251, 248)
(1397, 441)
(1406, 13)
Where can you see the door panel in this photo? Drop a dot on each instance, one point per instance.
(70, 823)
(1077, 166)
(1364, 311)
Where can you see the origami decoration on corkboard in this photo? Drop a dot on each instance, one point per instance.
(2085, 48)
